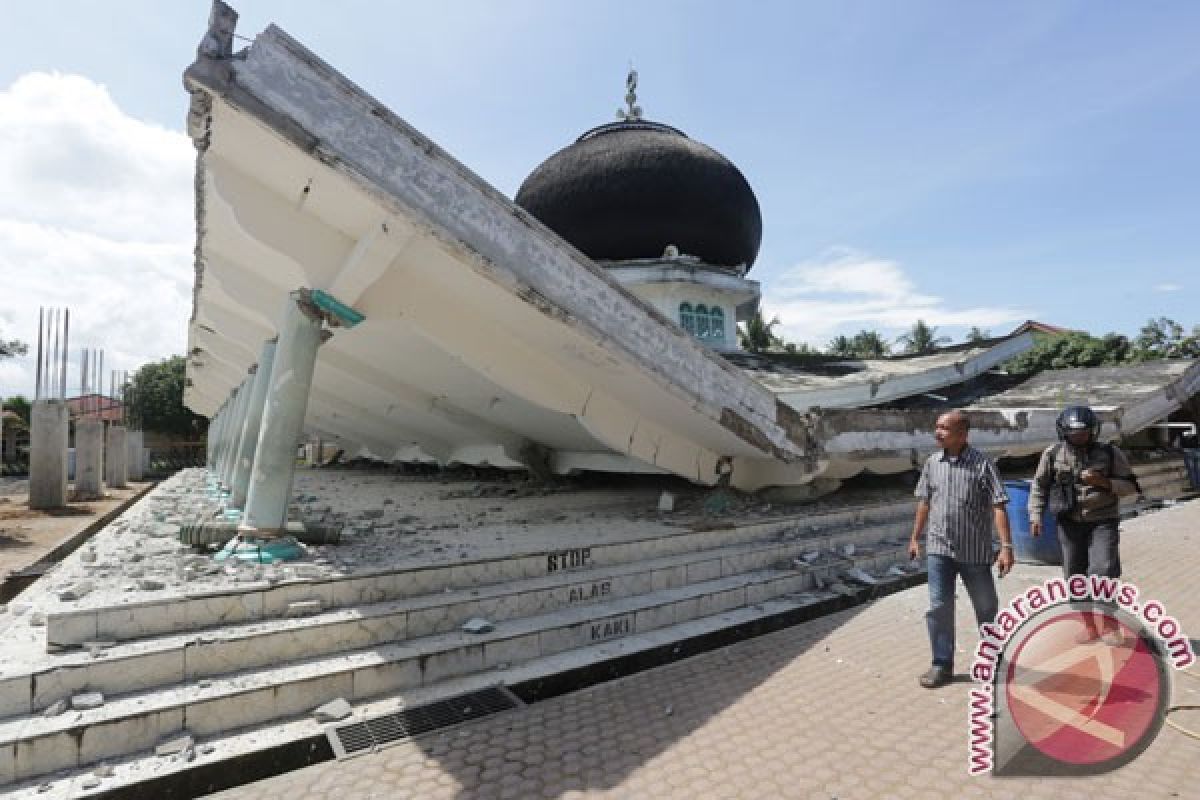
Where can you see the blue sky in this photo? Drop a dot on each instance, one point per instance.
(963, 162)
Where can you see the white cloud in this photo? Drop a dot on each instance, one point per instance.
(96, 215)
(1167, 287)
(844, 290)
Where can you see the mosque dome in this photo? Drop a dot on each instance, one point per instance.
(630, 189)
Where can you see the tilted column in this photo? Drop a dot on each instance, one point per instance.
(48, 454)
(234, 433)
(283, 416)
(256, 402)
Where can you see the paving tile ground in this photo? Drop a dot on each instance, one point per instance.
(827, 709)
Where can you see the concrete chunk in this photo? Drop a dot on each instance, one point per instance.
(478, 625)
(301, 608)
(75, 591)
(86, 700)
(333, 711)
(56, 708)
(861, 576)
(175, 745)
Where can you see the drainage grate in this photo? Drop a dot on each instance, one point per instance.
(357, 738)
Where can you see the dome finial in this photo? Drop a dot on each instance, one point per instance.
(634, 112)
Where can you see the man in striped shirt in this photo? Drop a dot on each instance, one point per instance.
(959, 496)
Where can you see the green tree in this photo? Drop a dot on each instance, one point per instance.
(921, 338)
(19, 405)
(840, 346)
(1075, 349)
(870, 344)
(977, 334)
(757, 335)
(155, 399)
(1164, 338)
(12, 347)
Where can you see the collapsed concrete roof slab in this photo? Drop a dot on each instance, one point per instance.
(486, 336)
(1017, 422)
(852, 383)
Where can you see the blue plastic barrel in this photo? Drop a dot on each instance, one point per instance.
(1027, 548)
(1191, 459)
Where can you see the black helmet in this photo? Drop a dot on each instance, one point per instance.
(1077, 418)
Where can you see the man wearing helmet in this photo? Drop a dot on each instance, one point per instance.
(1082, 479)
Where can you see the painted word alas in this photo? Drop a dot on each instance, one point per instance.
(582, 594)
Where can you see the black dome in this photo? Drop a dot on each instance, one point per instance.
(628, 189)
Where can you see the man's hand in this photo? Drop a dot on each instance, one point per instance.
(914, 549)
(1095, 478)
(1004, 561)
(1035, 528)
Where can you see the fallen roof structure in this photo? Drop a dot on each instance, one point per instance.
(478, 336)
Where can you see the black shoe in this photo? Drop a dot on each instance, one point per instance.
(936, 676)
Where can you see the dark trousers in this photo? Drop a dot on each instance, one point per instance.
(981, 588)
(1090, 548)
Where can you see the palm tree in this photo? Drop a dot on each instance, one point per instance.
(921, 338)
(757, 335)
(977, 334)
(840, 346)
(870, 344)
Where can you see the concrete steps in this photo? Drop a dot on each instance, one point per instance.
(189, 656)
(264, 601)
(259, 670)
(151, 776)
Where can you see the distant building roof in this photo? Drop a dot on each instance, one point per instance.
(96, 406)
(1033, 326)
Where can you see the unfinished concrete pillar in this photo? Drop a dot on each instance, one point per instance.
(134, 455)
(48, 454)
(115, 472)
(244, 462)
(283, 417)
(89, 459)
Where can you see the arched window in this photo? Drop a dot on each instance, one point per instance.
(686, 318)
(702, 321)
(716, 324)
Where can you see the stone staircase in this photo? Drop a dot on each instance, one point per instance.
(251, 664)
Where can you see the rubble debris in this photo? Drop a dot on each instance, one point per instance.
(861, 576)
(150, 584)
(87, 700)
(848, 549)
(333, 711)
(811, 557)
(478, 625)
(75, 591)
(57, 707)
(299, 608)
(103, 771)
(666, 502)
(176, 745)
